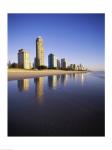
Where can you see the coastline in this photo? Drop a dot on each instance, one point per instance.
(16, 74)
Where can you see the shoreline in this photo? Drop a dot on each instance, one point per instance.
(16, 74)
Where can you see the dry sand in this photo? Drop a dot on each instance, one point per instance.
(15, 74)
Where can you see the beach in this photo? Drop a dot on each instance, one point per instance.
(16, 74)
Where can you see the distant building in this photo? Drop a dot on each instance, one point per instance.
(58, 64)
(63, 63)
(9, 64)
(34, 63)
(73, 66)
(77, 68)
(81, 67)
(23, 59)
(52, 61)
(39, 52)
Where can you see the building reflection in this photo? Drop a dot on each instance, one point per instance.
(58, 79)
(79, 78)
(74, 75)
(52, 81)
(23, 85)
(39, 89)
(64, 79)
(70, 75)
(82, 78)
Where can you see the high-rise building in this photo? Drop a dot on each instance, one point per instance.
(72, 66)
(34, 63)
(58, 64)
(63, 63)
(24, 59)
(52, 61)
(39, 52)
(81, 67)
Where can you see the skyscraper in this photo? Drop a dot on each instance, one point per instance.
(39, 52)
(24, 59)
(63, 63)
(52, 61)
(58, 64)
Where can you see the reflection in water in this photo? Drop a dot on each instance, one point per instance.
(52, 81)
(82, 78)
(39, 89)
(79, 78)
(23, 85)
(74, 75)
(71, 110)
(70, 75)
(58, 79)
(64, 79)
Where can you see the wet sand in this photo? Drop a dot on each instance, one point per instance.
(16, 74)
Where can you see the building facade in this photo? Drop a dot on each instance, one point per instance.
(58, 64)
(80, 67)
(39, 52)
(52, 61)
(73, 66)
(23, 59)
(63, 63)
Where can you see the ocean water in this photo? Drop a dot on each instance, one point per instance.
(58, 105)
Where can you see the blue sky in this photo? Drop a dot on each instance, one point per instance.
(77, 37)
